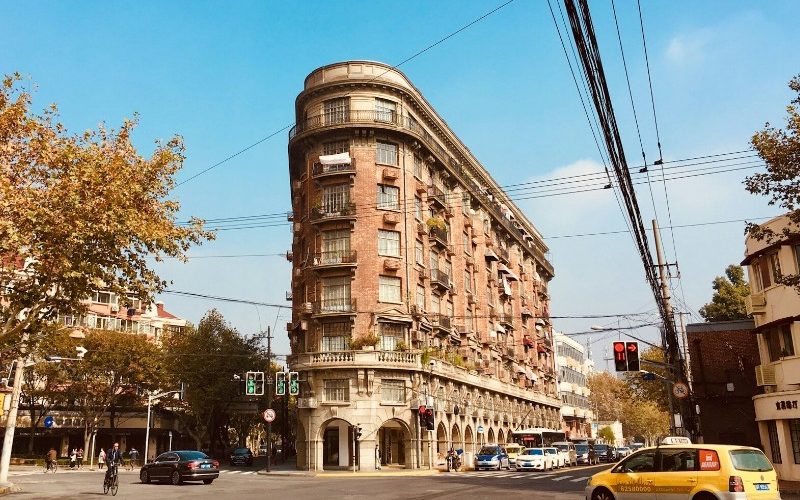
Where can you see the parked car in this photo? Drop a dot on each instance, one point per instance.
(567, 452)
(242, 456)
(534, 459)
(604, 453)
(623, 451)
(689, 471)
(553, 453)
(585, 454)
(513, 449)
(262, 450)
(636, 446)
(492, 457)
(179, 466)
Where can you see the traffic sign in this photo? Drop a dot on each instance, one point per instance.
(480, 429)
(49, 421)
(680, 390)
(269, 414)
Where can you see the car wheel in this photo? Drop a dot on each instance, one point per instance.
(176, 478)
(208, 481)
(602, 494)
(144, 476)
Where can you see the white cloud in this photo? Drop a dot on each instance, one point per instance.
(690, 47)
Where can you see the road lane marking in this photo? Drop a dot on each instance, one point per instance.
(560, 478)
(578, 479)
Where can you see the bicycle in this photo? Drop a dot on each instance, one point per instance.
(111, 481)
(50, 466)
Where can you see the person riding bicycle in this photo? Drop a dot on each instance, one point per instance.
(50, 459)
(113, 459)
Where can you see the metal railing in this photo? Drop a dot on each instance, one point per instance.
(441, 278)
(318, 169)
(439, 235)
(335, 306)
(333, 212)
(335, 258)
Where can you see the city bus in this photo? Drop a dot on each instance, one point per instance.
(537, 437)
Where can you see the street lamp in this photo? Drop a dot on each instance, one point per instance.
(150, 399)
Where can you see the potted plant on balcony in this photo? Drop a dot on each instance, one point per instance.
(401, 346)
(436, 222)
(365, 342)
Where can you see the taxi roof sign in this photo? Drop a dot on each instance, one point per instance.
(676, 440)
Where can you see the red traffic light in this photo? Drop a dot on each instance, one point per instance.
(633, 347)
(619, 346)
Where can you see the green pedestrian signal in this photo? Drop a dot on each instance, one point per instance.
(294, 384)
(250, 384)
(260, 384)
(280, 383)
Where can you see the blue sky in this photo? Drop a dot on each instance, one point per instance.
(224, 75)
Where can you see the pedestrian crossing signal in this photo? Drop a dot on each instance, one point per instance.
(620, 357)
(294, 383)
(280, 383)
(250, 384)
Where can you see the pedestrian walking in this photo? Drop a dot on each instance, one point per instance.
(73, 457)
(101, 459)
(79, 457)
(134, 456)
(377, 458)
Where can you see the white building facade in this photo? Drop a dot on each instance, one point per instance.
(574, 367)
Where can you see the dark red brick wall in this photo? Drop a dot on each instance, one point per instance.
(718, 358)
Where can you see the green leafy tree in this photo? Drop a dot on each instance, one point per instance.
(80, 212)
(606, 434)
(644, 419)
(117, 368)
(727, 303)
(650, 391)
(212, 359)
(607, 395)
(780, 150)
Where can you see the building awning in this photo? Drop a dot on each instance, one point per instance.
(338, 159)
(526, 312)
(529, 373)
(490, 255)
(504, 269)
(778, 322)
(499, 329)
(519, 368)
(506, 287)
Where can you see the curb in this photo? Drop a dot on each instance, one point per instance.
(9, 488)
(350, 474)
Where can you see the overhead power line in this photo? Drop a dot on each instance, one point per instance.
(408, 59)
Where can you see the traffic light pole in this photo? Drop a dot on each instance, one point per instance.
(268, 387)
(668, 355)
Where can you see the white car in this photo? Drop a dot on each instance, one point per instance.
(534, 459)
(558, 460)
(623, 451)
(566, 451)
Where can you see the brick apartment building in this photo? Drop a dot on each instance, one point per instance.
(416, 281)
(723, 356)
(776, 311)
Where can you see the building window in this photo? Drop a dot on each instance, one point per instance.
(386, 153)
(103, 298)
(420, 298)
(337, 110)
(779, 342)
(436, 304)
(335, 147)
(393, 391)
(467, 281)
(418, 167)
(774, 443)
(336, 294)
(774, 266)
(450, 310)
(434, 260)
(388, 243)
(335, 337)
(385, 110)
(335, 198)
(466, 243)
(419, 252)
(389, 289)
(388, 197)
(391, 335)
(335, 246)
(787, 341)
(466, 204)
(337, 390)
(418, 208)
(794, 430)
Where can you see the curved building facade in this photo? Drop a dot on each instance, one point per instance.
(416, 282)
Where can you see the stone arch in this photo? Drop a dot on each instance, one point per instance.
(335, 444)
(501, 437)
(455, 437)
(469, 440)
(394, 441)
(441, 439)
(490, 438)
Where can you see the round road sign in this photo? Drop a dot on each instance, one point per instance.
(480, 429)
(680, 390)
(269, 414)
(49, 421)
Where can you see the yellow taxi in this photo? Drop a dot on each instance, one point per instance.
(688, 471)
(513, 450)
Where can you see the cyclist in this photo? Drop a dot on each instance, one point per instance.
(113, 459)
(50, 460)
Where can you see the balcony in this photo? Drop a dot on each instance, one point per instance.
(439, 236)
(506, 320)
(333, 307)
(441, 279)
(503, 254)
(441, 322)
(335, 259)
(755, 303)
(437, 195)
(356, 359)
(344, 211)
(318, 170)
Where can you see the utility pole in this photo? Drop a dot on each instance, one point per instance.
(665, 296)
(268, 389)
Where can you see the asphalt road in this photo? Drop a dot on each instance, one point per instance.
(245, 483)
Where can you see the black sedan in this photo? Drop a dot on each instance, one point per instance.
(179, 466)
(242, 456)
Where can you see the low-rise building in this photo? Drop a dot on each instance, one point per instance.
(723, 356)
(775, 308)
(574, 367)
(616, 428)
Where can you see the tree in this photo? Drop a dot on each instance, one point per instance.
(78, 213)
(606, 434)
(727, 303)
(118, 367)
(652, 391)
(646, 420)
(210, 357)
(780, 150)
(607, 395)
